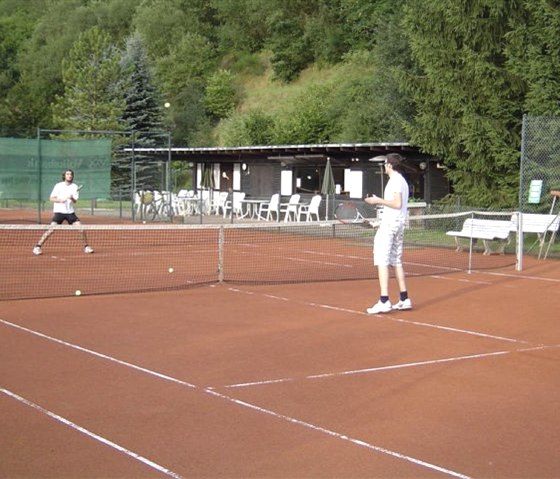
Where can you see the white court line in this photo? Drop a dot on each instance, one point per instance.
(518, 276)
(99, 355)
(254, 407)
(458, 280)
(384, 317)
(390, 367)
(94, 436)
(339, 436)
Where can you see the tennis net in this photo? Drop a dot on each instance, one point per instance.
(141, 258)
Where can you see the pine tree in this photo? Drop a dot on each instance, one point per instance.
(534, 54)
(468, 103)
(143, 112)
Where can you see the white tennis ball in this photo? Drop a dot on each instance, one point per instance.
(78, 292)
(171, 270)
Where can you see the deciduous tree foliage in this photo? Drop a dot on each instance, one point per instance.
(453, 77)
(92, 98)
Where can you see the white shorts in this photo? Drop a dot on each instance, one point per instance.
(388, 244)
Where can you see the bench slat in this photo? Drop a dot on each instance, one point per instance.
(486, 230)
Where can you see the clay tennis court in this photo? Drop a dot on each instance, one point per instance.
(293, 380)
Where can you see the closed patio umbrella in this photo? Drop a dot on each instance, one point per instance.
(328, 187)
(207, 180)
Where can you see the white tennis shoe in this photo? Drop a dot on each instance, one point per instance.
(37, 251)
(88, 250)
(403, 305)
(380, 307)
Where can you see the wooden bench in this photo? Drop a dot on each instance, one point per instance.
(486, 230)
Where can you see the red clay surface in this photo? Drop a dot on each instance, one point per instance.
(291, 381)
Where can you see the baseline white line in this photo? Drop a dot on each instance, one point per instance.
(254, 407)
(384, 317)
(387, 368)
(92, 435)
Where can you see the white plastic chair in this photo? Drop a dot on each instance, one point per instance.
(273, 206)
(291, 208)
(221, 199)
(234, 205)
(310, 210)
(138, 206)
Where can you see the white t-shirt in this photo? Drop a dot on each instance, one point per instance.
(396, 184)
(63, 190)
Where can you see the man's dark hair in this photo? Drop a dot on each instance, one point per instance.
(395, 160)
(66, 171)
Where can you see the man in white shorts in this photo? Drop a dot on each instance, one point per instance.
(388, 242)
(63, 197)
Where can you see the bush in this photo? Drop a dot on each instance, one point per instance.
(220, 94)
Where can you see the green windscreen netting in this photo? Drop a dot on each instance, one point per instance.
(30, 168)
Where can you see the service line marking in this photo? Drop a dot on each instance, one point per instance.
(390, 367)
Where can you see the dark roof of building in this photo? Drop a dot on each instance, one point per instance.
(339, 153)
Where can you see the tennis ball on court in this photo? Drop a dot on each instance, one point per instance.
(78, 292)
(171, 270)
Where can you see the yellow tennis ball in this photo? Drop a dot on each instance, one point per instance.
(171, 270)
(78, 292)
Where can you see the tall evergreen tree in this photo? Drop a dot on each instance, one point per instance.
(468, 103)
(534, 55)
(143, 112)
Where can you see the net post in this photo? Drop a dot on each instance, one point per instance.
(471, 240)
(519, 243)
(40, 175)
(221, 242)
(133, 187)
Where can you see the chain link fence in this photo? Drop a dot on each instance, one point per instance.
(539, 179)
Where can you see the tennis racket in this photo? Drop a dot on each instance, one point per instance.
(348, 213)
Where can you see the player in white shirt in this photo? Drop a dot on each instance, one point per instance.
(388, 242)
(63, 197)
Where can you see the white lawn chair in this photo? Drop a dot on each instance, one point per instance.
(291, 208)
(310, 210)
(234, 205)
(273, 206)
(220, 205)
(138, 205)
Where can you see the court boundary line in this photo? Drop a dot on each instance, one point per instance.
(211, 392)
(91, 434)
(383, 317)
